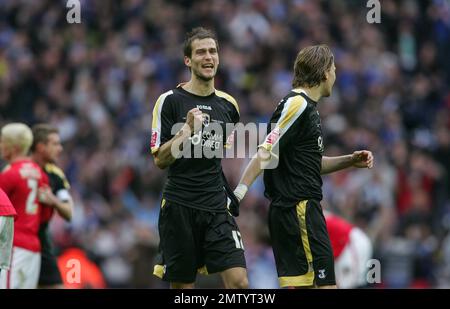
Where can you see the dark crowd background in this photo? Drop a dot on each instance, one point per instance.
(98, 81)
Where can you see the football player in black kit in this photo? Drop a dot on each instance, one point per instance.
(292, 159)
(45, 150)
(197, 232)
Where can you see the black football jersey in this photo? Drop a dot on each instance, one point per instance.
(294, 138)
(194, 180)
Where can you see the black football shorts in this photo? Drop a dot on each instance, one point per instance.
(193, 240)
(301, 245)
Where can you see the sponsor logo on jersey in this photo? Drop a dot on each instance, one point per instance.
(204, 107)
(29, 170)
(320, 143)
(206, 119)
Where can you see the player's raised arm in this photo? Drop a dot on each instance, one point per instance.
(166, 154)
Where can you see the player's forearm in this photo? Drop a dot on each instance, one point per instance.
(252, 171)
(165, 156)
(333, 164)
(64, 209)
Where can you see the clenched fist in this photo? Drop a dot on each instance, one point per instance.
(362, 159)
(194, 119)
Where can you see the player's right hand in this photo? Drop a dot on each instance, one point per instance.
(194, 119)
(46, 196)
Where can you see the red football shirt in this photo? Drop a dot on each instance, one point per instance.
(339, 231)
(21, 181)
(6, 208)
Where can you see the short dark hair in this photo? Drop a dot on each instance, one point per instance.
(311, 64)
(198, 33)
(40, 134)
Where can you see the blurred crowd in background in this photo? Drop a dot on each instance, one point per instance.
(98, 81)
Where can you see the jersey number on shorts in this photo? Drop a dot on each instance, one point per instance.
(31, 207)
(238, 239)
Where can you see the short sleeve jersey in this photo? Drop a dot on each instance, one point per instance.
(21, 181)
(60, 188)
(294, 138)
(194, 180)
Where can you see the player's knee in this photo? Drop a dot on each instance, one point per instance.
(240, 283)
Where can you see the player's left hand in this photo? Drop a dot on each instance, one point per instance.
(362, 159)
(233, 205)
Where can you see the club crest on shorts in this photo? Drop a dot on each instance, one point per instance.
(322, 274)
